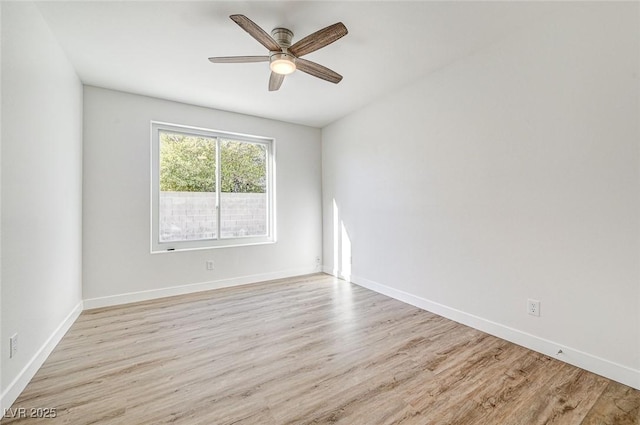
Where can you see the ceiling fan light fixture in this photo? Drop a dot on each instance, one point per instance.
(282, 63)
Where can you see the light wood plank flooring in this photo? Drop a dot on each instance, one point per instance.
(309, 350)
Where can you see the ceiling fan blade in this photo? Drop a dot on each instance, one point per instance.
(318, 39)
(275, 81)
(239, 59)
(318, 70)
(256, 32)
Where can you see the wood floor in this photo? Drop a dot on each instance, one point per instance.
(311, 350)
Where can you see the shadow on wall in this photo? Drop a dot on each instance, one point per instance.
(341, 247)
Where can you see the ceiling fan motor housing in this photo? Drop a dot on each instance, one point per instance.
(282, 36)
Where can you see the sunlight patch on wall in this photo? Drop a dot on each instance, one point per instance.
(341, 246)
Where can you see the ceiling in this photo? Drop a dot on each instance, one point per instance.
(160, 49)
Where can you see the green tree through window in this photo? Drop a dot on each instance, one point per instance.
(188, 164)
(243, 167)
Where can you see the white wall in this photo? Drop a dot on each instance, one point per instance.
(41, 194)
(118, 266)
(511, 174)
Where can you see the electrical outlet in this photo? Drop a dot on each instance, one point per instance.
(533, 307)
(317, 261)
(209, 265)
(13, 346)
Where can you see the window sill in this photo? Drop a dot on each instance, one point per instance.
(200, 248)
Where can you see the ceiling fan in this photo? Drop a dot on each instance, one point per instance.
(284, 58)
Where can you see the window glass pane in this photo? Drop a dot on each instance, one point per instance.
(243, 184)
(187, 209)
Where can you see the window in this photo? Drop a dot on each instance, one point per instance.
(210, 189)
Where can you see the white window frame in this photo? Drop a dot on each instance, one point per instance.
(270, 147)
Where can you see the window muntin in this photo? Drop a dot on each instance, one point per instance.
(210, 189)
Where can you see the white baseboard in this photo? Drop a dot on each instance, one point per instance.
(595, 364)
(14, 389)
(191, 288)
